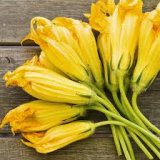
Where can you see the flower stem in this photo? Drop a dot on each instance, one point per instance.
(147, 142)
(129, 124)
(113, 128)
(134, 117)
(118, 104)
(132, 134)
(104, 123)
(123, 144)
(140, 144)
(127, 141)
(115, 137)
(142, 117)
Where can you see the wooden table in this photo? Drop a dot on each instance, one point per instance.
(15, 16)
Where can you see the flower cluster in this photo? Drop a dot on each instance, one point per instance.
(72, 73)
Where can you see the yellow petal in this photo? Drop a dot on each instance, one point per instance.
(59, 136)
(47, 85)
(124, 33)
(86, 41)
(39, 115)
(59, 46)
(147, 66)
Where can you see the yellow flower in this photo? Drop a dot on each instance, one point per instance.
(57, 44)
(147, 66)
(122, 27)
(48, 85)
(104, 46)
(85, 46)
(124, 31)
(99, 16)
(43, 61)
(60, 136)
(40, 115)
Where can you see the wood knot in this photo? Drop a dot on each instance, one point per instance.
(6, 60)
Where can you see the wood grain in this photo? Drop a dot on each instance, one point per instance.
(11, 57)
(93, 148)
(15, 15)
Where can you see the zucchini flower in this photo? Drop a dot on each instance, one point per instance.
(60, 136)
(43, 61)
(48, 85)
(86, 44)
(99, 16)
(147, 66)
(56, 43)
(40, 115)
(122, 27)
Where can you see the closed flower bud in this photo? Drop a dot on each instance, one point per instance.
(40, 115)
(58, 45)
(48, 85)
(59, 137)
(45, 62)
(86, 43)
(104, 46)
(122, 27)
(124, 31)
(147, 66)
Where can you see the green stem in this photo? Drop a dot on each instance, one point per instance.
(123, 144)
(134, 117)
(147, 142)
(122, 130)
(128, 143)
(107, 104)
(118, 104)
(154, 138)
(113, 128)
(104, 123)
(133, 135)
(115, 137)
(142, 117)
(140, 144)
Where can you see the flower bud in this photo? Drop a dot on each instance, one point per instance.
(147, 66)
(122, 27)
(83, 35)
(40, 115)
(48, 85)
(59, 137)
(57, 44)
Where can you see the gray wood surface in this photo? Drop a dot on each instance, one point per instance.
(15, 16)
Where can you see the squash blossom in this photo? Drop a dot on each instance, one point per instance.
(147, 66)
(85, 45)
(124, 29)
(59, 136)
(53, 41)
(119, 27)
(40, 115)
(48, 85)
(45, 62)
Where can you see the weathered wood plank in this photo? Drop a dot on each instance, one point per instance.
(93, 148)
(11, 57)
(15, 15)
